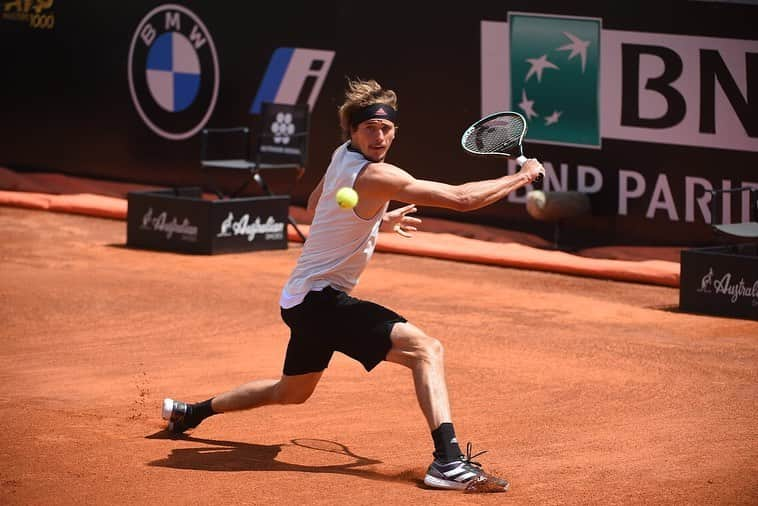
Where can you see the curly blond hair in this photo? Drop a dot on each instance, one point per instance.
(359, 94)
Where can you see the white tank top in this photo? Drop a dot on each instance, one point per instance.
(340, 243)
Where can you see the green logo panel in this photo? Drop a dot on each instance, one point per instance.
(555, 77)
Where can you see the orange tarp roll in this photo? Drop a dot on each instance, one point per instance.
(453, 247)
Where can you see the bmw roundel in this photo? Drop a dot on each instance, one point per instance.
(173, 72)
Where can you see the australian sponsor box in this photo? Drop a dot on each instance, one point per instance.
(720, 280)
(182, 220)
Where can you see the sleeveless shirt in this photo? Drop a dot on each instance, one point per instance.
(340, 243)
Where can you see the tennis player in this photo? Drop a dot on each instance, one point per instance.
(316, 303)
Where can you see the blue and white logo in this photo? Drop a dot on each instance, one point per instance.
(173, 72)
(293, 76)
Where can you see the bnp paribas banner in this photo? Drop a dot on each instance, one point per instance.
(577, 83)
(582, 86)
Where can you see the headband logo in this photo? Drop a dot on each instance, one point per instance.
(374, 111)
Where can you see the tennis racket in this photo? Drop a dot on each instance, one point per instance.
(499, 134)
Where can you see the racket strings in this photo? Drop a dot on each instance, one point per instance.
(498, 135)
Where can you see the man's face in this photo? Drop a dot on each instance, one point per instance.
(373, 138)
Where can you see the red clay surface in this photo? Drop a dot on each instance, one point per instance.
(583, 391)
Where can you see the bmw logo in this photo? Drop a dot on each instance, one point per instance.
(173, 72)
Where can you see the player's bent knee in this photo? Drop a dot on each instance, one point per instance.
(435, 349)
(414, 348)
(430, 350)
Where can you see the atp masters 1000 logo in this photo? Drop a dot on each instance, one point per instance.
(173, 72)
(37, 13)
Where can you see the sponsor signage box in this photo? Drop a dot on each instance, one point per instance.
(181, 220)
(720, 280)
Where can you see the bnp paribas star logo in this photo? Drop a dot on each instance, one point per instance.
(555, 77)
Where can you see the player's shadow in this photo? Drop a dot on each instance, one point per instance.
(219, 455)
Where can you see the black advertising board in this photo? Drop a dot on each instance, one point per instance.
(181, 220)
(720, 280)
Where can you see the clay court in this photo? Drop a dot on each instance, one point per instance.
(582, 390)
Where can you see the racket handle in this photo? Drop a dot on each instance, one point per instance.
(521, 160)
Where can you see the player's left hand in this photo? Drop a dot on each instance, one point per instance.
(399, 221)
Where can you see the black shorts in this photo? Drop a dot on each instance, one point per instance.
(330, 320)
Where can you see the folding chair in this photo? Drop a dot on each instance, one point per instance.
(281, 143)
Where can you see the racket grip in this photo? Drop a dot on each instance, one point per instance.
(521, 160)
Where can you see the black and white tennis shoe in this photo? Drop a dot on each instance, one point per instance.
(179, 416)
(463, 474)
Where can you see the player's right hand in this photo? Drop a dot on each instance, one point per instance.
(533, 169)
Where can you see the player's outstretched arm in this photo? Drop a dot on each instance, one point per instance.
(382, 182)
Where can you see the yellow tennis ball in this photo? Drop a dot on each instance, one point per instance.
(347, 197)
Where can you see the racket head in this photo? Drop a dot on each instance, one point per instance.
(500, 133)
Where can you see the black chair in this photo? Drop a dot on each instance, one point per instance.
(722, 198)
(281, 144)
